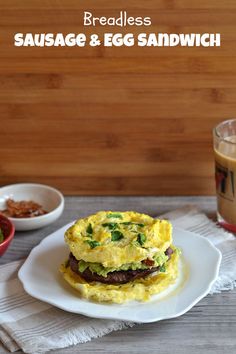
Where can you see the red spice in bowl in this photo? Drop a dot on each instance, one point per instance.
(22, 209)
(8, 231)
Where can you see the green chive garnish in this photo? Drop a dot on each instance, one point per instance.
(93, 244)
(89, 229)
(116, 235)
(110, 225)
(115, 215)
(131, 223)
(141, 239)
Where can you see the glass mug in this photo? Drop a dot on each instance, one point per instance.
(225, 173)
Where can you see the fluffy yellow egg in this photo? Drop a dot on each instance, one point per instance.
(158, 234)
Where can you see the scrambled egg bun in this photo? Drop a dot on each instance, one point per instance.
(120, 256)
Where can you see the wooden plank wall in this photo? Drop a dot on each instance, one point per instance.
(114, 120)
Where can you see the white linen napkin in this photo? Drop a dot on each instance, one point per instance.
(37, 327)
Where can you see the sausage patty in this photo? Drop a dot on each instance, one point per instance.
(116, 277)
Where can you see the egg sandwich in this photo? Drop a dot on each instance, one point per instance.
(120, 256)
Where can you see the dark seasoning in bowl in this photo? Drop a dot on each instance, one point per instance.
(22, 209)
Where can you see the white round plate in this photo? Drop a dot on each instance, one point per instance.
(199, 267)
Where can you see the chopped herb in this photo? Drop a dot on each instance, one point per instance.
(1, 236)
(110, 225)
(116, 235)
(141, 239)
(162, 268)
(93, 244)
(115, 215)
(89, 229)
(131, 223)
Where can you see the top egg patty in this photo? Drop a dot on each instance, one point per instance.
(114, 239)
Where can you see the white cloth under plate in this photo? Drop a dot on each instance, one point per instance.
(36, 327)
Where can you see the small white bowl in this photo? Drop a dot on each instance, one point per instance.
(50, 198)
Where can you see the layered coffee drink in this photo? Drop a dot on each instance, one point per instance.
(225, 173)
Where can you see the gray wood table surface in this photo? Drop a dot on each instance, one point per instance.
(209, 327)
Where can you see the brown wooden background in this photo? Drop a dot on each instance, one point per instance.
(114, 120)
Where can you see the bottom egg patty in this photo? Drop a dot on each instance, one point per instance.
(139, 289)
